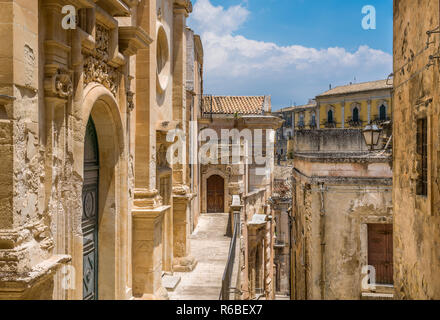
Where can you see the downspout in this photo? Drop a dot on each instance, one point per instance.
(322, 237)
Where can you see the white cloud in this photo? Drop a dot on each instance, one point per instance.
(241, 66)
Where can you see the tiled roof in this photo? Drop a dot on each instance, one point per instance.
(288, 109)
(233, 105)
(359, 87)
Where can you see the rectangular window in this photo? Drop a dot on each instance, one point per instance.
(422, 156)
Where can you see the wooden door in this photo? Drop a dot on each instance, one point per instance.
(216, 194)
(380, 251)
(90, 197)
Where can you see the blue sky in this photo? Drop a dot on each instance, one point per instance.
(291, 49)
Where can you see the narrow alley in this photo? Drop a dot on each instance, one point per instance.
(209, 246)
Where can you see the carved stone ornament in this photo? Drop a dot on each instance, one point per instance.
(130, 100)
(96, 67)
(60, 84)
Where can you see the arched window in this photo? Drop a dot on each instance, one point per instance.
(313, 121)
(355, 114)
(382, 113)
(330, 116)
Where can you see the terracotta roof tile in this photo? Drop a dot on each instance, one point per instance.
(359, 87)
(233, 104)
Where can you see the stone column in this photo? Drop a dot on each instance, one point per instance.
(181, 191)
(148, 211)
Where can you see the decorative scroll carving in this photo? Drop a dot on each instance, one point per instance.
(96, 67)
(60, 84)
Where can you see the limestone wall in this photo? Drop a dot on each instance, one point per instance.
(416, 95)
(337, 216)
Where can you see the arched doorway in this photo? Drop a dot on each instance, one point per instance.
(216, 194)
(90, 199)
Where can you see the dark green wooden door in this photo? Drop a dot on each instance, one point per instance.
(90, 214)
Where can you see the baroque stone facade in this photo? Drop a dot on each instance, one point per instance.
(93, 213)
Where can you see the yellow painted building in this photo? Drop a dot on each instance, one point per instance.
(355, 105)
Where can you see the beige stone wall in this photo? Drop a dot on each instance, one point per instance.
(336, 216)
(416, 95)
(105, 69)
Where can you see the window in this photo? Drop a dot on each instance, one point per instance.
(382, 113)
(422, 157)
(330, 116)
(355, 114)
(301, 120)
(313, 120)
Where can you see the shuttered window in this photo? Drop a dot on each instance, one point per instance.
(422, 155)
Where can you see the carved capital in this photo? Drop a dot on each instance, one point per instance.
(184, 5)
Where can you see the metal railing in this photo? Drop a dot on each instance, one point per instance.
(227, 275)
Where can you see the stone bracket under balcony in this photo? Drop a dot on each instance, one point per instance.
(132, 39)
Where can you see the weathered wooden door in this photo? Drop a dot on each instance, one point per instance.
(380, 251)
(90, 214)
(216, 194)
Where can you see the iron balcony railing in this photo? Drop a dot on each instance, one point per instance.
(227, 275)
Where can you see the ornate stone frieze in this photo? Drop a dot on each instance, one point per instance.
(96, 67)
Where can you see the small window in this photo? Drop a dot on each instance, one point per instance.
(330, 116)
(422, 156)
(382, 113)
(356, 114)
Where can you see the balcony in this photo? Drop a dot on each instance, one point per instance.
(330, 124)
(312, 124)
(377, 120)
(301, 125)
(355, 123)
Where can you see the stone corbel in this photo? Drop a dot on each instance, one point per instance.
(58, 82)
(131, 39)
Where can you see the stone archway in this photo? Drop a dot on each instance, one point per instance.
(101, 108)
(90, 213)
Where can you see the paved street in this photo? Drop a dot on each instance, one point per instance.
(209, 246)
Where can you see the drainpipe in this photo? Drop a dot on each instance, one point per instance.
(322, 237)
